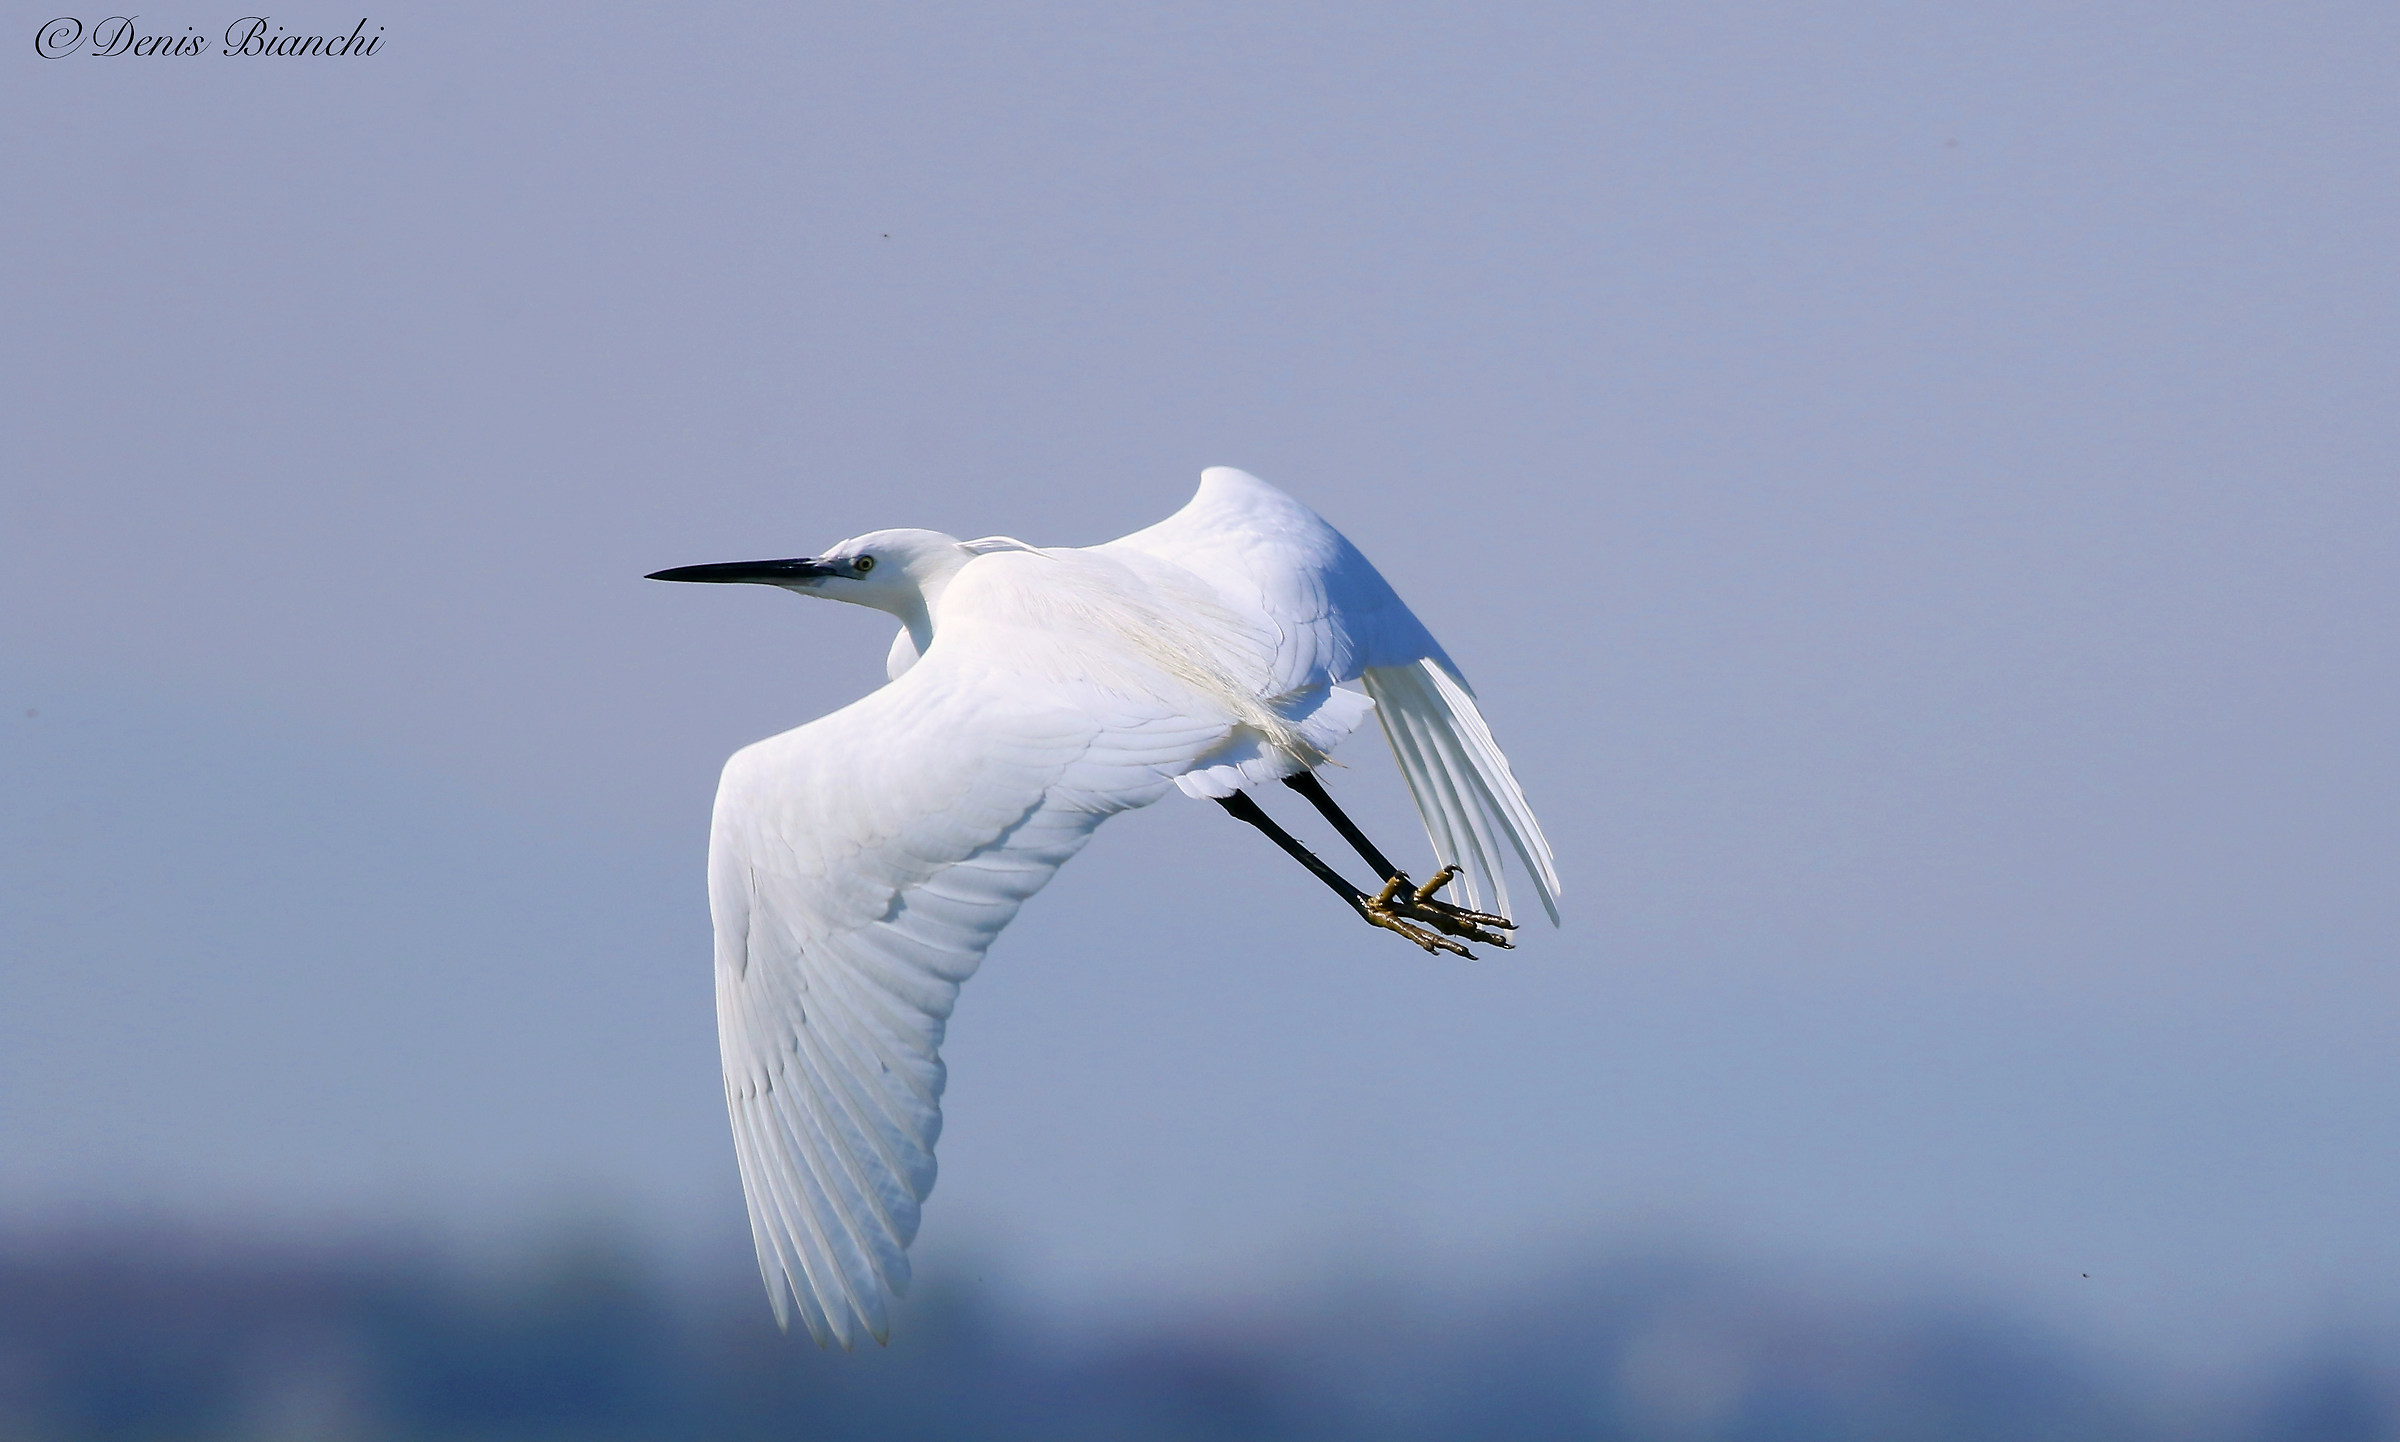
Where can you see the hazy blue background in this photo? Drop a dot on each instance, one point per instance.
(1917, 488)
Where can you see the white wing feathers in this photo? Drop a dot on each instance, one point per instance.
(1465, 793)
(1336, 619)
(1275, 561)
(860, 866)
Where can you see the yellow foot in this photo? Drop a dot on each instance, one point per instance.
(1412, 912)
(1379, 911)
(1419, 906)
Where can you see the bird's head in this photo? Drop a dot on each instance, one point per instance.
(896, 571)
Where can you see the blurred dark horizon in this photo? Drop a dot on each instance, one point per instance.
(118, 1330)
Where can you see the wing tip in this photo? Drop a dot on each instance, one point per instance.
(1466, 793)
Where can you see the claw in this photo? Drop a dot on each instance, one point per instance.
(1380, 911)
(1409, 909)
(1469, 924)
(1441, 879)
(1400, 897)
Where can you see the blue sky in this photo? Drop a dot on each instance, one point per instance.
(1915, 489)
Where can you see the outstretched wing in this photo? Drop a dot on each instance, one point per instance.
(1337, 619)
(858, 868)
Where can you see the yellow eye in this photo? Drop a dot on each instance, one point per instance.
(863, 564)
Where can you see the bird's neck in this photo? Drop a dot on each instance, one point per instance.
(919, 621)
(918, 608)
(918, 612)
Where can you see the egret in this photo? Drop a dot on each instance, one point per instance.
(860, 865)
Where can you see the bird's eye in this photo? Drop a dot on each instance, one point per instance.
(863, 564)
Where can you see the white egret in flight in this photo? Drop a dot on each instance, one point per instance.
(860, 865)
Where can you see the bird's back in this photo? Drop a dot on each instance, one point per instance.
(1273, 560)
(1131, 630)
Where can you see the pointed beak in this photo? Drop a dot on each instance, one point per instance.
(762, 573)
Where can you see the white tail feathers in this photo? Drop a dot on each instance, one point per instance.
(1464, 790)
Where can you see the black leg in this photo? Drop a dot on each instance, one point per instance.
(1411, 912)
(1409, 899)
(1242, 807)
(1307, 784)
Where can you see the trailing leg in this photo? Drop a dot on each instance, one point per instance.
(1379, 910)
(1401, 895)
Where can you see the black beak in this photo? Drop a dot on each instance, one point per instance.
(763, 573)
